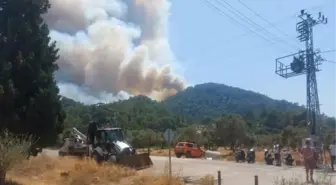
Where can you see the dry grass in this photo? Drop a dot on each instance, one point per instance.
(44, 170)
(66, 171)
(321, 180)
(71, 171)
(207, 180)
(162, 180)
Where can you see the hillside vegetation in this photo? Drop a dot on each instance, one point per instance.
(213, 109)
(211, 99)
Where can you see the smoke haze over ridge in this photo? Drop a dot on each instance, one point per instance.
(112, 47)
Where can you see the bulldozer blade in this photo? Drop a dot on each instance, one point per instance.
(137, 162)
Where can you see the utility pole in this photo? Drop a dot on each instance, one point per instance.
(306, 62)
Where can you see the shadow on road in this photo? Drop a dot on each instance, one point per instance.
(326, 171)
(10, 182)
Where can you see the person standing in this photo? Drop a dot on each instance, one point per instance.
(317, 154)
(332, 148)
(276, 151)
(309, 158)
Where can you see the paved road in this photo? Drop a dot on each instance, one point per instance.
(232, 173)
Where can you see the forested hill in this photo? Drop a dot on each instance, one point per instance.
(202, 106)
(135, 113)
(211, 99)
(196, 105)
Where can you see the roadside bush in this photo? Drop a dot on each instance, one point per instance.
(13, 150)
(207, 180)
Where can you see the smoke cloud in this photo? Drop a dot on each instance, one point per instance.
(113, 46)
(83, 94)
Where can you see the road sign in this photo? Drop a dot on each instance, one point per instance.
(168, 135)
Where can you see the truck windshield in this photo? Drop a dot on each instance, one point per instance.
(113, 135)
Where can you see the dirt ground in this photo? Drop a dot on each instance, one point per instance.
(45, 170)
(53, 170)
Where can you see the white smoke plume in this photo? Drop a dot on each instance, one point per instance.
(84, 95)
(112, 46)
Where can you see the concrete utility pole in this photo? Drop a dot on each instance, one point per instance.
(306, 62)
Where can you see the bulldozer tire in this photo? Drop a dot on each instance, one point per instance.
(61, 154)
(34, 153)
(71, 150)
(178, 155)
(97, 157)
(112, 159)
(188, 155)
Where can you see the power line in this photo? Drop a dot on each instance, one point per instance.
(251, 22)
(328, 51)
(206, 2)
(254, 31)
(261, 17)
(294, 15)
(330, 61)
(244, 18)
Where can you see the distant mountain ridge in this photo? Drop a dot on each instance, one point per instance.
(212, 99)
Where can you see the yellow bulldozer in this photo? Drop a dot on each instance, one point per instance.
(105, 144)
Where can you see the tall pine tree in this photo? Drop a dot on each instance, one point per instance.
(29, 99)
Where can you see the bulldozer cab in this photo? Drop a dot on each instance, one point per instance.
(103, 134)
(107, 135)
(103, 139)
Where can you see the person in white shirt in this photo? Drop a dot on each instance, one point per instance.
(332, 148)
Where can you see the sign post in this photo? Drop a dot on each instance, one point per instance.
(169, 136)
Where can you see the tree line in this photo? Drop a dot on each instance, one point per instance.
(144, 121)
(30, 106)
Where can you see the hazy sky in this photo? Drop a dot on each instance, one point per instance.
(212, 48)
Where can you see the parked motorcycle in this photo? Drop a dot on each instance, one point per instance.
(288, 159)
(251, 156)
(240, 155)
(268, 157)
